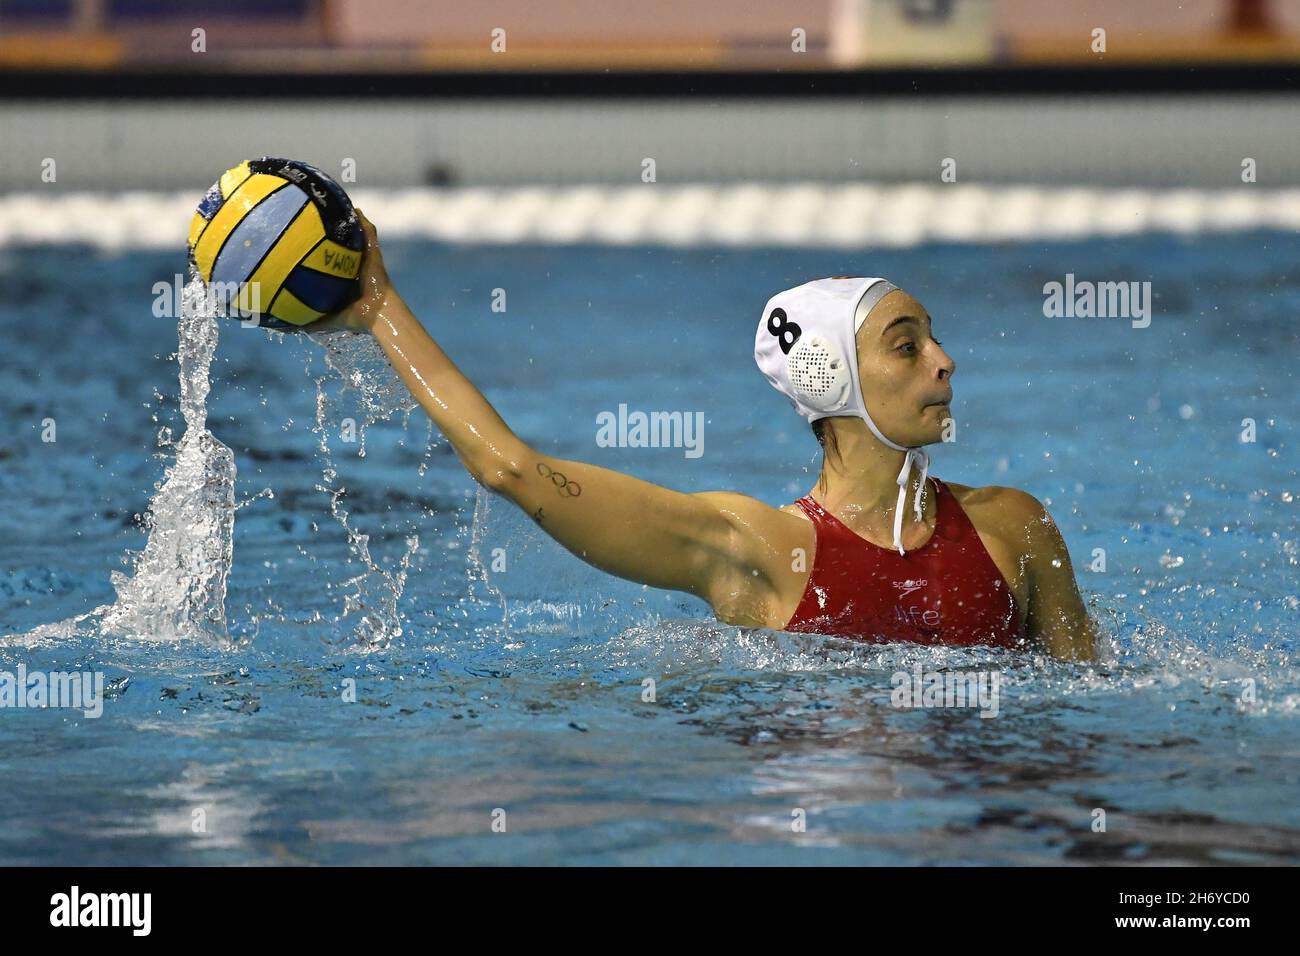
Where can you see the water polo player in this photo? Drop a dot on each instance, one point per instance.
(960, 566)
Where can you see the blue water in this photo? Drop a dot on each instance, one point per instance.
(521, 690)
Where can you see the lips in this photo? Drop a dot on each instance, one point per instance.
(942, 401)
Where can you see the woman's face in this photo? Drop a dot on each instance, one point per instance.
(906, 375)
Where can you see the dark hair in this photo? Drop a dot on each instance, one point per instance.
(825, 437)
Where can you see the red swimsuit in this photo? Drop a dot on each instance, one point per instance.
(948, 591)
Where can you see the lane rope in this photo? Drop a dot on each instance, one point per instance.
(749, 214)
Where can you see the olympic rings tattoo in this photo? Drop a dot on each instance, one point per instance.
(563, 486)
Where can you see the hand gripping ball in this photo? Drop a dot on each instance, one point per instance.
(278, 240)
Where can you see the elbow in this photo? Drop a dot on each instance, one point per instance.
(502, 475)
(495, 479)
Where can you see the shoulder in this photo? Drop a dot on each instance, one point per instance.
(748, 511)
(1009, 513)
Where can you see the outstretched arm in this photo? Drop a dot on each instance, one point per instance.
(620, 524)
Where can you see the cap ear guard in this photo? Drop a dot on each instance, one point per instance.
(819, 374)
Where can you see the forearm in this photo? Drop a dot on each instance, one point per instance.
(615, 522)
(487, 447)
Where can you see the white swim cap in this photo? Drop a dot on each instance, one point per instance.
(806, 345)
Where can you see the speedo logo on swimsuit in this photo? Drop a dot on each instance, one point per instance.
(907, 587)
(921, 688)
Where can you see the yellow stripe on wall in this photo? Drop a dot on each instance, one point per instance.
(251, 192)
(335, 260)
(290, 308)
(304, 232)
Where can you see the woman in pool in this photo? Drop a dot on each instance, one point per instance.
(971, 566)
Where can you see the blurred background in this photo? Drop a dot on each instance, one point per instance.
(410, 35)
(149, 94)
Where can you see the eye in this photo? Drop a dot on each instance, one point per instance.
(937, 342)
(906, 345)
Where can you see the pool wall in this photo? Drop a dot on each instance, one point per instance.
(1156, 141)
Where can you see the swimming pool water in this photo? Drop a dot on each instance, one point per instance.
(522, 689)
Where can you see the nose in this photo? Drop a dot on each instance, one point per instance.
(946, 366)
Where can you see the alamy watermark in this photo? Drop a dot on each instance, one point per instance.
(75, 908)
(651, 430)
(80, 690)
(231, 300)
(1101, 300)
(920, 688)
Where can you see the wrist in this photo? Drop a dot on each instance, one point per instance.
(366, 310)
(389, 312)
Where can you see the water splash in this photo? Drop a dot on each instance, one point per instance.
(176, 589)
(360, 363)
(478, 570)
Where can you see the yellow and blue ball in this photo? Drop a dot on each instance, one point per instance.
(277, 239)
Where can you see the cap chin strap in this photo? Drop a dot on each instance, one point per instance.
(915, 456)
(922, 458)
